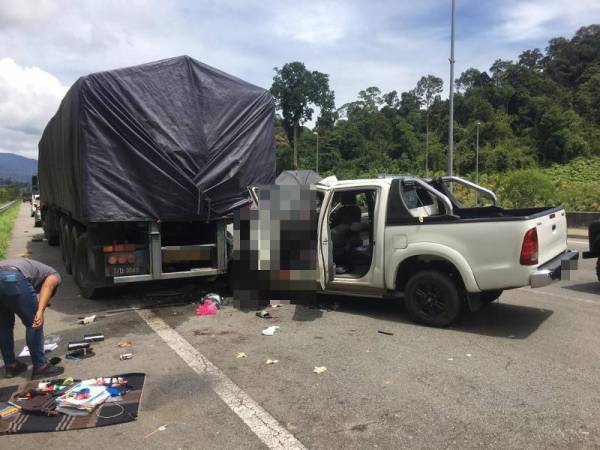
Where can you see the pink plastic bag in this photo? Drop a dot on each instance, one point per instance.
(206, 309)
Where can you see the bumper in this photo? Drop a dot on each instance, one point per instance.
(556, 269)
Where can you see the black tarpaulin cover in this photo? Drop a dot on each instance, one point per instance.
(170, 140)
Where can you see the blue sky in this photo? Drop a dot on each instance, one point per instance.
(45, 45)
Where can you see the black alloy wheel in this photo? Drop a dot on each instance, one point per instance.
(432, 298)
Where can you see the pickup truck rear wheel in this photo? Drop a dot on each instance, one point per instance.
(433, 299)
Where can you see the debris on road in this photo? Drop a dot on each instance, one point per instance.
(207, 308)
(88, 319)
(96, 337)
(450, 359)
(124, 344)
(270, 331)
(468, 355)
(216, 299)
(278, 303)
(264, 314)
(271, 361)
(320, 369)
(48, 347)
(241, 355)
(161, 428)
(125, 356)
(387, 333)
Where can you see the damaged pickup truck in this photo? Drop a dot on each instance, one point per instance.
(410, 237)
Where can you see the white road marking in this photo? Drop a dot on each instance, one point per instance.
(262, 424)
(565, 297)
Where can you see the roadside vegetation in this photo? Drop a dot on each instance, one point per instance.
(7, 221)
(538, 116)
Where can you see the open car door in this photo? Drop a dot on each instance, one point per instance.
(325, 269)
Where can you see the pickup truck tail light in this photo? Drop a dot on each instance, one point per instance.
(529, 249)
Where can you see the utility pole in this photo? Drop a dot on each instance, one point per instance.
(451, 125)
(317, 135)
(477, 163)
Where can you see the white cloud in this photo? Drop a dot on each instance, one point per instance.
(29, 96)
(534, 19)
(319, 23)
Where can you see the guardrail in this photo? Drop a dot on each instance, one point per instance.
(6, 206)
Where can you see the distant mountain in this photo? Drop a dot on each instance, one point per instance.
(16, 167)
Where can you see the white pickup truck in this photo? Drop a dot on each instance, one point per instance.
(409, 236)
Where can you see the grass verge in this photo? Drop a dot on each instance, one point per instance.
(7, 221)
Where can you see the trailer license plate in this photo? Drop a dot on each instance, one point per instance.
(123, 271)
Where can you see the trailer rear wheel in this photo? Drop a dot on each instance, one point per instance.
(50, 228)
(65, 238)
(81, 271)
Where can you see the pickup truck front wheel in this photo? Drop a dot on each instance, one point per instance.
(433, 299)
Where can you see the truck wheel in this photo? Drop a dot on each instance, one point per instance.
(81, 271)
(598, 269)
(50, 229)
(489, 296)
(65, 238)
(433, 299)
(61, 240)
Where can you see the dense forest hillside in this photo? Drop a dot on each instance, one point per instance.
(541, 109)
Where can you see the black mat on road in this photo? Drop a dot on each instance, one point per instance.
(124, 410)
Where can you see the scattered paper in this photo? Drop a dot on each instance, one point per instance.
(88, 319)
(124, 344)
(271, 361)
(450, 359)
(319, 369)
(47, 348)
(161, 428)
(270, 331)
(241, 355)
(469, 355)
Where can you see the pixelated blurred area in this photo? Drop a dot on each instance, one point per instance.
(274, 249)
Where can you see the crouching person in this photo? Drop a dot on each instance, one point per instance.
(21, 281)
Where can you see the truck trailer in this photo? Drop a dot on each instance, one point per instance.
(141, 168)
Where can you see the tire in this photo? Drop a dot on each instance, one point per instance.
(62, 240)
(50, 228)
(67, 254)
(487, 297)
(73, 236)
(598, 269)
(81, 271)
(432, 298)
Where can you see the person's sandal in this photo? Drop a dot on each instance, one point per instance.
(11, 372)
(46, 371)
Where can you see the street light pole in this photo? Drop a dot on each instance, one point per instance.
(317, 135)
(477, 163)
(451, 124)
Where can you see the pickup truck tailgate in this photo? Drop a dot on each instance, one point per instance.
(552, 234)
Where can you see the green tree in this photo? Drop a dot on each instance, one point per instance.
(427, 92)
(297, 91)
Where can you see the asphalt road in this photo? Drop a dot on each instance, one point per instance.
(522, 373)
